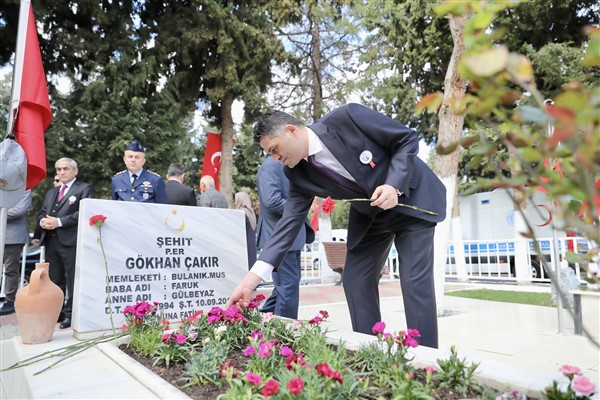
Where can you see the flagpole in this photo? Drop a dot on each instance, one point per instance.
(18, 67)
(14, 100)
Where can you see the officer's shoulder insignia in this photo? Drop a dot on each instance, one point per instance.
(154, 173)
(120, 172)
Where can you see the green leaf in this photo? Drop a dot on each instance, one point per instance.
(488, 62)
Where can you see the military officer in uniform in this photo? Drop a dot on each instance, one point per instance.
(137, 183)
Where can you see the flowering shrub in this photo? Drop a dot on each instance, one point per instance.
(145, 327)
(249, 355)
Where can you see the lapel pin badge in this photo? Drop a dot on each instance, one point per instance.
(366, 157)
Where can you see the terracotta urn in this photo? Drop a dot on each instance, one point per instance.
(37, 306)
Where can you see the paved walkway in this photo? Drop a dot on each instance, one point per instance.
(515, 334)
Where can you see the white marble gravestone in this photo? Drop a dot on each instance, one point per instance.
(185, 258)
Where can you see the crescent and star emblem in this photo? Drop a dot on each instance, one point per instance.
(169, 220)
(214, 157)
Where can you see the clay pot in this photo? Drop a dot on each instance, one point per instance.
(37, 306)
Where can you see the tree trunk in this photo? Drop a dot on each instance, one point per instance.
(226, 173)
(315, 55)
(446, 165)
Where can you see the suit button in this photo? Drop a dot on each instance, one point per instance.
(133, 190)
(132, 198)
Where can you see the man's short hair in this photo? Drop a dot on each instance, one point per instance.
(175, 170)
(208, 180)
(271, 124)
(69, 160)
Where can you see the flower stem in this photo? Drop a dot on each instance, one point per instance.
(399, 205)
(108, 299)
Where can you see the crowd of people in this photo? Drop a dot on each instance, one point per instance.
(351, 153)
(56, 221)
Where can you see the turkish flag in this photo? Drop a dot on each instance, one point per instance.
(211, 165)
(34, 114)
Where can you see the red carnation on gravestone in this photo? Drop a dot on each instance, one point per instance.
(97, 220)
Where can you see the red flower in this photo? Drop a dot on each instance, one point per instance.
(97, 220)
(271, 387)
(336, 376)
(295, 385)
(328, 205)
(324, 369)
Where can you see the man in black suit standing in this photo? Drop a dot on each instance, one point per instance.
(58, 219)
(355, 153)
(177, 192)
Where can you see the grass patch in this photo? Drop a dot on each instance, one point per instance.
(506, 296)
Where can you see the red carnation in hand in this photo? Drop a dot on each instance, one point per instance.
(328, 205)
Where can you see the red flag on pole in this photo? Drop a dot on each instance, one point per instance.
(211, 165)
(31, 108)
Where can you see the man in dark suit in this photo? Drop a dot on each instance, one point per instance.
(177, 192)
(273, 189)
(58, 219)
(137, 183)
(357, 153)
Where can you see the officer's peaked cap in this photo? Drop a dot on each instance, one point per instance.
(136, 146)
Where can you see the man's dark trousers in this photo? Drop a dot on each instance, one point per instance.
(413, 238)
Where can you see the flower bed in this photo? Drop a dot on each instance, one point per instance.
(235, 354)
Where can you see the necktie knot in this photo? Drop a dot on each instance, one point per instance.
(334, 176)
(61, 194)
(133, 178)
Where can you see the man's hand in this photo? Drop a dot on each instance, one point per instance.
(49, 223)
(385, 196)
(242, 294)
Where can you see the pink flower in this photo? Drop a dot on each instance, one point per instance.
(430, 370)
(266, 317)
(378, 328)
(181, 338)
(257, 335)
(166, 337)
(286, 351)
(253, 378)
(315, 320)
(295, 385)
(264, 350)
(406, 338)
(583, 385)
(570, 370)
(414, 332)
(271, 388)
(248, 351)
(324, 313)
